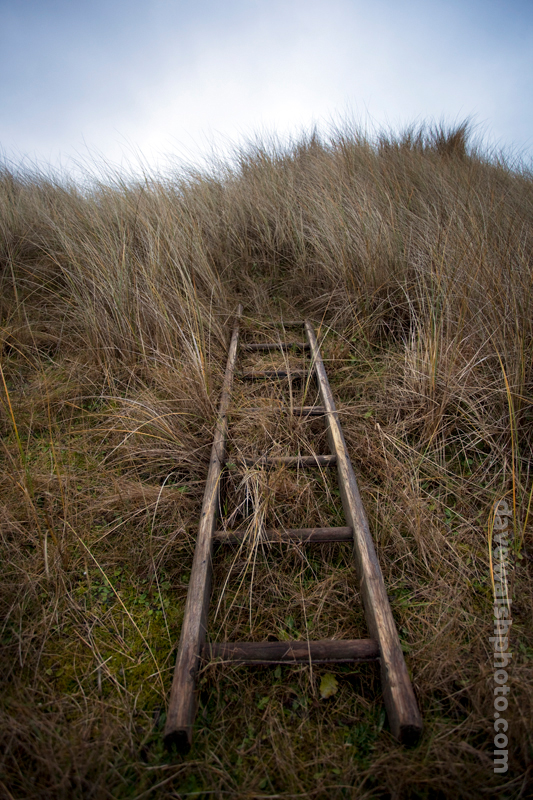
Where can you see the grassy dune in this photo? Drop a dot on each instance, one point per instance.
(413, 255)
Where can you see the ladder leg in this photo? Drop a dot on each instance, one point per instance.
(400, 701)
(182, 706)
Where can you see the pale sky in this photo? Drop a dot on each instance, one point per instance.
(160, 79)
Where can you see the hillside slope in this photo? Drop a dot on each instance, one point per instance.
(414, 257)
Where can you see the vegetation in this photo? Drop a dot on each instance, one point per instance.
(414, 256)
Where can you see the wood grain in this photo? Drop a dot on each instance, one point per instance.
(267, 346)
(303, 535)
(298, 411)
(327, 651)
(400, 701)
(289, 461)
(269, 374)
(182, 705)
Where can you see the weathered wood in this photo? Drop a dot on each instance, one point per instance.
(303, 535)
(309, 411)
(182, 706)
(322, 652)
(298, 411)
(404, 716)
(267, 346)
(261, 375)
(289, 461)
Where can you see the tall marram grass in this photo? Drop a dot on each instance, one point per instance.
(413, 254)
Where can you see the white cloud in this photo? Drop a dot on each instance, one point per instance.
(166, 76)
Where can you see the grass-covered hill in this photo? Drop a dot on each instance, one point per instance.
(413, 255)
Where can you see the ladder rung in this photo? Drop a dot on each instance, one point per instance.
(292, 535)
(320, 652)
(291, 461)
(311, 411)
(293, 374)
(263, 346)
(304, 411)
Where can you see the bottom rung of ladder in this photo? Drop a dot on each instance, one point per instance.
(321, 652)
(303, 535)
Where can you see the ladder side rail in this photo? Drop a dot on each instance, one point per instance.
(182, 705)
(400, 701)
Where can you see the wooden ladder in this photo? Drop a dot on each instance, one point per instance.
(400, 703)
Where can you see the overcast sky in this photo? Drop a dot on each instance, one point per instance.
(167, 78)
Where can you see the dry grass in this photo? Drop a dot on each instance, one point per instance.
(413, 255)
